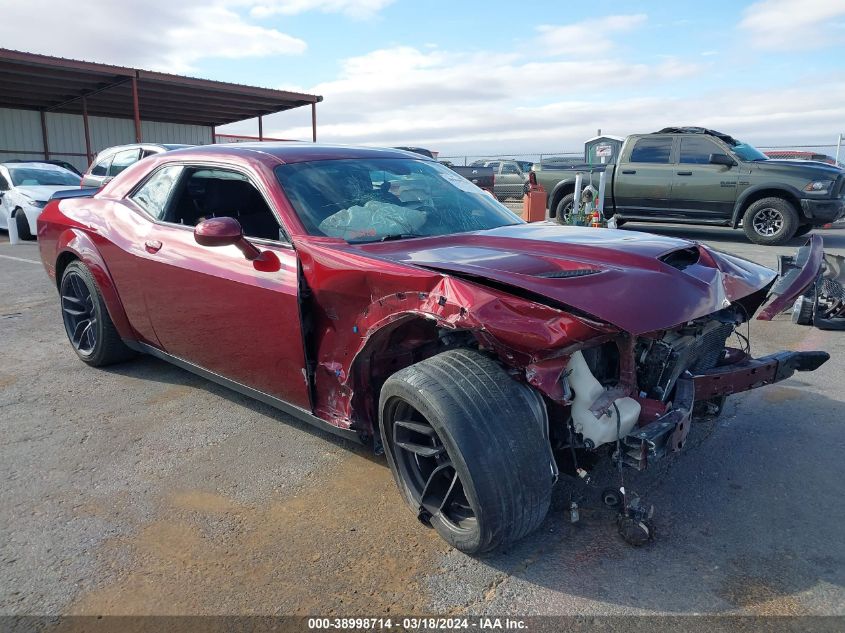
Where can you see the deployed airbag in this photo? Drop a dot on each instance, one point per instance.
(373, 219)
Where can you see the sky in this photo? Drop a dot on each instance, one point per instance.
(485, 76)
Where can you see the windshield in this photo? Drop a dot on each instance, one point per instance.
(29, 176)
(367, 200)
(746, 151)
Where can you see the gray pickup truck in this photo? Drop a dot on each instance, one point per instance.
(509, 176)
(700, 176)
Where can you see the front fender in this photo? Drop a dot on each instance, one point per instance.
(789, 192)
(76, 244)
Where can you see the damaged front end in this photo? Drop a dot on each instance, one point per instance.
(668, 376)
(618, 378)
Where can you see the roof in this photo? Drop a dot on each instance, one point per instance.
(296, 152)
(166, 146)
(698, 130)
(55, 84)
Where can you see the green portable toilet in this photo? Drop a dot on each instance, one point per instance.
(605, 146)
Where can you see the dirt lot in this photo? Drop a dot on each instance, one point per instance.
(144, 489)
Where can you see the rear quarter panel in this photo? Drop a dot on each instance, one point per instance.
(65, 233)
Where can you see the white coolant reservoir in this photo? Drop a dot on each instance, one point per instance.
(587, 389)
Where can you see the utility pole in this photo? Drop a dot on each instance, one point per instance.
(839, 146)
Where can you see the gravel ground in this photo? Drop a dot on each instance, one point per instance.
(143, 489)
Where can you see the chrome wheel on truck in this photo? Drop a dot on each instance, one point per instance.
(770, 221)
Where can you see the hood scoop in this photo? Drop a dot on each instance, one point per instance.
(682, 258)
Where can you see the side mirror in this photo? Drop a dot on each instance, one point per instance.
(224, 231)
(722, 159)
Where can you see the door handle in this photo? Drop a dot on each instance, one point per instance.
(629, 171)
(684, 173)
(152, 246)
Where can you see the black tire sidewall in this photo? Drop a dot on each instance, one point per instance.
(22, 225)
(495, 442)
(561, 205)
(81, 270)
(787, 211)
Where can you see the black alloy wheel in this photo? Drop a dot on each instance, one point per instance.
(426, 467)
(79, 313)
(87, 321)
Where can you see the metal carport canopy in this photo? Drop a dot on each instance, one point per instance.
(30, 81)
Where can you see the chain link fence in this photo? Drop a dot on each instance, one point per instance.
(783, 151)
(530, 157)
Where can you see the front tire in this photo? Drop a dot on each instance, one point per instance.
(87, 322)
(466, 445)
(770, 221)
(22, 225)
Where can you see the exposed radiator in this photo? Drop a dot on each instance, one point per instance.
(661, 361)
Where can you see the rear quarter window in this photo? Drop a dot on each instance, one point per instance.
(652, 150)
(102, 167)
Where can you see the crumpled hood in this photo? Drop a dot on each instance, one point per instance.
(41, 193)
(638, 282)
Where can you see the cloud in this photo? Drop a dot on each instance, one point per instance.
(586, 38)
(788, 25)
(158, 34)
(359, 9)
(490, 102)
(777, 116)
(406, 96)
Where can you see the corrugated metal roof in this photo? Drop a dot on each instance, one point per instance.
(55, 84)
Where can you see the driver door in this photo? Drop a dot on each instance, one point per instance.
(212, 307)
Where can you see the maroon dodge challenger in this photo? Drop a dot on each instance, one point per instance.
(382, 296)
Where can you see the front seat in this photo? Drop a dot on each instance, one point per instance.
(240, 200)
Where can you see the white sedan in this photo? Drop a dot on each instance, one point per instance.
(24, 191)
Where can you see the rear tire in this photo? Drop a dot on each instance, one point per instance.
(88, 325)
(770, 221)
(466, 445)
(23, 225)
(563, 211)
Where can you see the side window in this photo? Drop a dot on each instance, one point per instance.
(652, 150)
(122, 160)
(697, 150)
(213, 193)
(102, 167)
(507, 168)
(154, 194)
(148, 152)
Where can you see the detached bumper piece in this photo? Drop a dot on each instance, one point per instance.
(668, 433)
(797, 273)
(823, 305)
